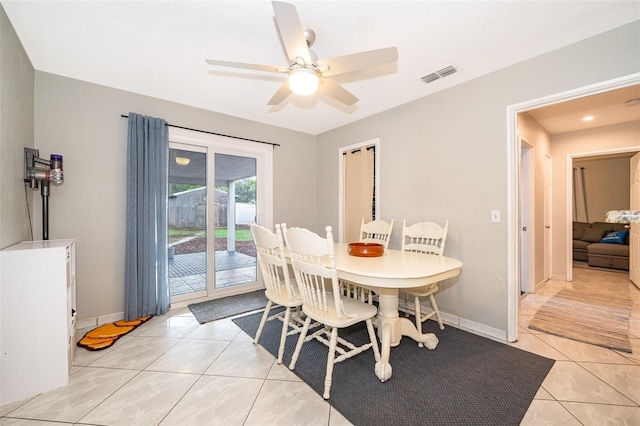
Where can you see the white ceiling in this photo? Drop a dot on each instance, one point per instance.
(606, 108)
(158, 48)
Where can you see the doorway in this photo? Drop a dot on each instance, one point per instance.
(513, 209)
(591, 174)
(218, 186)
(359, 193)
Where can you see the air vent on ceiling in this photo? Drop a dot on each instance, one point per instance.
(446, 71)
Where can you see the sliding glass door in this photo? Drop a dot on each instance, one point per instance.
(187, 222)
(236, 207)
(217, 187)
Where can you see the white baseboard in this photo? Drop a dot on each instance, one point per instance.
(461, 323)
(98, 321)
(470, 326)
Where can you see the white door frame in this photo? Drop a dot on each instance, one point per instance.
(376, 165)
(513, 171)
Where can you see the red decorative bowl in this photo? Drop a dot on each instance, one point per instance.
(365, 249)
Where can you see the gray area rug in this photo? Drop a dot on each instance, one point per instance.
(594, 310)
(212, 310)
(466, 380)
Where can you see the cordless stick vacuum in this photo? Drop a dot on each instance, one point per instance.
(44, 171)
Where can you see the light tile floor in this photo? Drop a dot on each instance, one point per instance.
(174, 371)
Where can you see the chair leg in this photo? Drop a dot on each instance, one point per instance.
(262, 322)
(330, 360)
(303, 335)
(416, 302)
(374, 340)
(283, 334)
(435, 308)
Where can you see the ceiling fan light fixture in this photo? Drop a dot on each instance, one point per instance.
(303, 81)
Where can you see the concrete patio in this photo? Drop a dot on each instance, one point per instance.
(187, 272)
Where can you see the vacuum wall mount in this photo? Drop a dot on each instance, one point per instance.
(38, 171)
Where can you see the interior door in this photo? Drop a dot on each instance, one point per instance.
(527, 218)
(548, 185)
(634, 233)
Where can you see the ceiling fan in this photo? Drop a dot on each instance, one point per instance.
(306, 73)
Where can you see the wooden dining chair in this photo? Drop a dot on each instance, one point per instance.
(376, 231)
(314, 266)
(428, 238)
(279, 288)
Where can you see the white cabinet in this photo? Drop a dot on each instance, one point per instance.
(37, 308)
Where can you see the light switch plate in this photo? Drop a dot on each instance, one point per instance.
(495, 216)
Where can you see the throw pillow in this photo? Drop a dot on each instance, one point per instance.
(615, 237)
(593, 235)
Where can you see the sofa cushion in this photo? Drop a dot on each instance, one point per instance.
(617, 237)
(578, 227)
(593, 235)
(609, 226)
(581, 225)
(581, 245)
(602, 225)
(608, 249)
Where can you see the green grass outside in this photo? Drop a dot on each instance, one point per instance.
(241, 234)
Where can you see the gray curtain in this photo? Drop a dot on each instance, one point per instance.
(146, 275)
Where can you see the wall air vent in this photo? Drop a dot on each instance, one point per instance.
(444, 72)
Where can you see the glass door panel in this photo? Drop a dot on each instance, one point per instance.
(235, 203)
(187, 222)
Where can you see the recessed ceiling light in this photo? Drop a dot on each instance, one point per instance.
(182, 161)
(588, 118)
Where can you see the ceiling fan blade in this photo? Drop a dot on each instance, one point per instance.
(358, 61)
(291, 31)
(337, 92)
(281, 94)
(257, 67)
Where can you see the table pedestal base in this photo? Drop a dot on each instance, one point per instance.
(391, 328)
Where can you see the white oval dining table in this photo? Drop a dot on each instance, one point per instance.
(387, 275)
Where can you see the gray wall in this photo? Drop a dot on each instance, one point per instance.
(16, 132)
(607, 186)
(445, 157)
(82, 122)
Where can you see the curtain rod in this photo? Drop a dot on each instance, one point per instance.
(369, 148)
(213, 133)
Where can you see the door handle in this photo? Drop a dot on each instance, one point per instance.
(524, 228)
(547, 226)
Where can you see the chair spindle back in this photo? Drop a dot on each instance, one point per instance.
(424, 237)
(272, 261)
(314, 266)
